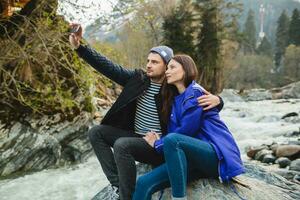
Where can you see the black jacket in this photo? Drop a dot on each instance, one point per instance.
(135, 83)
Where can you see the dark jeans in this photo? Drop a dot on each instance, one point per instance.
(187, 159)
(119, 165)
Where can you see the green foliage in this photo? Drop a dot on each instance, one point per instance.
(178, 29)
(111, 51)
(208, 48)
(265, 47)
(135, 46)
(142, 32)
(281, 38)
(291, 70)
(253, 71)
(249, 33)
(39, 72)
(198, 28)
(294, 28)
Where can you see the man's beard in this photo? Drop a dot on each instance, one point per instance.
(157, 78)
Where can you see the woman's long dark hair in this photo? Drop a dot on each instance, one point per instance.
(170, 91)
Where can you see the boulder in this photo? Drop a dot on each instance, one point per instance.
(263, 186)
(251, 151)
(283, 162)
(288, 174)
(295, 165)
(257, 95)
(292, 114)
(289, 91)
(269, 158)
(261, 154)
(287, 150)
(231, 95)
(274, 147)
(296, 178)
(35, 144)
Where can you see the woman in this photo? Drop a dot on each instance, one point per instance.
(199, 145)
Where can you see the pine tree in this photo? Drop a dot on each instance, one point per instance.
(249, 33)
(178, 29)
(265, 47)
(209, 58)
(294, 28)
(281, 38)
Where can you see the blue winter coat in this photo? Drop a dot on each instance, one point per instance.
(190, 119)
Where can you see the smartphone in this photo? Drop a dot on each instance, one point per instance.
(74, 29)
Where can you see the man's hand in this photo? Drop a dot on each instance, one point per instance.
(151, 137)
(208, 100)
(74, 38)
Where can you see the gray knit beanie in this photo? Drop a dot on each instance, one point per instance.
(165, 52)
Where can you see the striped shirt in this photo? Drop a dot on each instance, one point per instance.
(146, 117)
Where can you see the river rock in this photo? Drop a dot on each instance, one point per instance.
(269, 158)
(231, 95)
(287, 150)
(35, 144)
(283, 162)
(288, 174)
(264, 186)
(274, 147)
(295, 165)
(292, 119)
(292, 114)
(296, 178)
(289, 91)
(261, 154)
(257, 95)
(251, 151)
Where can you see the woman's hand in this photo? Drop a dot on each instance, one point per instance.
(208, 100)
(151, 137)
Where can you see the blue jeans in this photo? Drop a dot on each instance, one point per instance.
(186, 159)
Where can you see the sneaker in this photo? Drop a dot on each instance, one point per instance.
(113, 192)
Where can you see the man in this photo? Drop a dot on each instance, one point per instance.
(133, 118)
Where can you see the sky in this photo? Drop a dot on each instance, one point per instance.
(87, 11)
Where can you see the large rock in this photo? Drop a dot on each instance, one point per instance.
(289, 91)
(231, 95)
(261, 154)
(291, 117)
(37, 144)
(295, 165)
(283, 162)
(257, 95)
(288, 150)
(251, 151)
(288, 174)
(263, 186)
(269, 158)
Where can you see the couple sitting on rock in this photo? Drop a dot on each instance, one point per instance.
(163, 118)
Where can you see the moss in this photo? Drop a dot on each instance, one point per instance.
(60, 81)
(88, 106)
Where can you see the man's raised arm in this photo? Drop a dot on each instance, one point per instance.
(99, 62)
